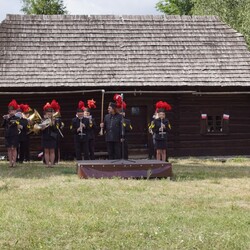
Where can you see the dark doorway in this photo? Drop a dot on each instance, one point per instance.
(137, 138)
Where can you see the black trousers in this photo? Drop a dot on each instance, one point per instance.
(114, 150)
(24, 150)
(81, 146)
(91, 145)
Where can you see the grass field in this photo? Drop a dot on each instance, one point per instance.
(205, 206)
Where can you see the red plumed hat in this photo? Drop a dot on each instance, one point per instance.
(118, 99)
(81, 106)
(55, 105)
(162, 106)
(25, 108)
(13, 105)
(91, 104)
(47, 107)
(122, 105)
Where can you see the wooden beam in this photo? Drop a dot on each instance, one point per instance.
(52, 92)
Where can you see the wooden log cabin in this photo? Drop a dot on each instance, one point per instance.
(197, 64)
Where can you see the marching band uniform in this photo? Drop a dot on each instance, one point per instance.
(160, 127)
(24, 138)
(49, 135)
(161, 135)
(59, 126)
(79, 127)
(92, 128)
(10, 124)
(112, 126)
(126, 125)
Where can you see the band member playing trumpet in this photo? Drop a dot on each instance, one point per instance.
(92, 128)
(112, 126)
(160, 127)
(11, 126)
(79, 127)
(49, 135)
(24, 139)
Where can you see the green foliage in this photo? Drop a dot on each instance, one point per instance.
(175, 7)
(44, 7)
(233, 12)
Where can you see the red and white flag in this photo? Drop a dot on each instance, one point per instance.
(225, 117)
(203, 116)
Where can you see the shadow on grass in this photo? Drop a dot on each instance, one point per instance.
(201, 172)
(36, 170)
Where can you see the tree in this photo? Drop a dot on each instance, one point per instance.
(233, 12)
(44, 7)
(175, 7)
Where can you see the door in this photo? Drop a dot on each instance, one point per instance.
(137, 138)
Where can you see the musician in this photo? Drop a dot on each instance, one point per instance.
(126, 125)
(160, 127)
(112, 125)
(90, 133)
(79, 127)
(11, 126)
(24, 138)
(49, 135)
(59, 127)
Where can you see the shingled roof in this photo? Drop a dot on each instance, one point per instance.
(94, 51)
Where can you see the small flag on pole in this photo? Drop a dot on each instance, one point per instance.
(225, 117)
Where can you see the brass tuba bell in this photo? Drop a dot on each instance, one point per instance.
(34, 119)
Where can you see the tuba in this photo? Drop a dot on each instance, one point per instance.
(34, 119)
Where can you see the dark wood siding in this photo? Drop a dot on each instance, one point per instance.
(185, 138)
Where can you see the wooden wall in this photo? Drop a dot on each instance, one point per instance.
(185, 138)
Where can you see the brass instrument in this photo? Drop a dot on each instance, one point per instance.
(33, 120)
(46, 123)
(161, 129)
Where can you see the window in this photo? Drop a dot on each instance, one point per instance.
(214, 124)
(135, 111)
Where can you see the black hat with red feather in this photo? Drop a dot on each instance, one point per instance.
(13, 105)
(162, 106)
(91, 105)
(80, 107)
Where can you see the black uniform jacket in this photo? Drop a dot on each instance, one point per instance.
(156, 126)
(10, 126)
(23, 134)
(91, 130)
(127, 127)
(75, 124)
(113, 127)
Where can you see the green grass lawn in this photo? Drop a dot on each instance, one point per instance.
(205, 206)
